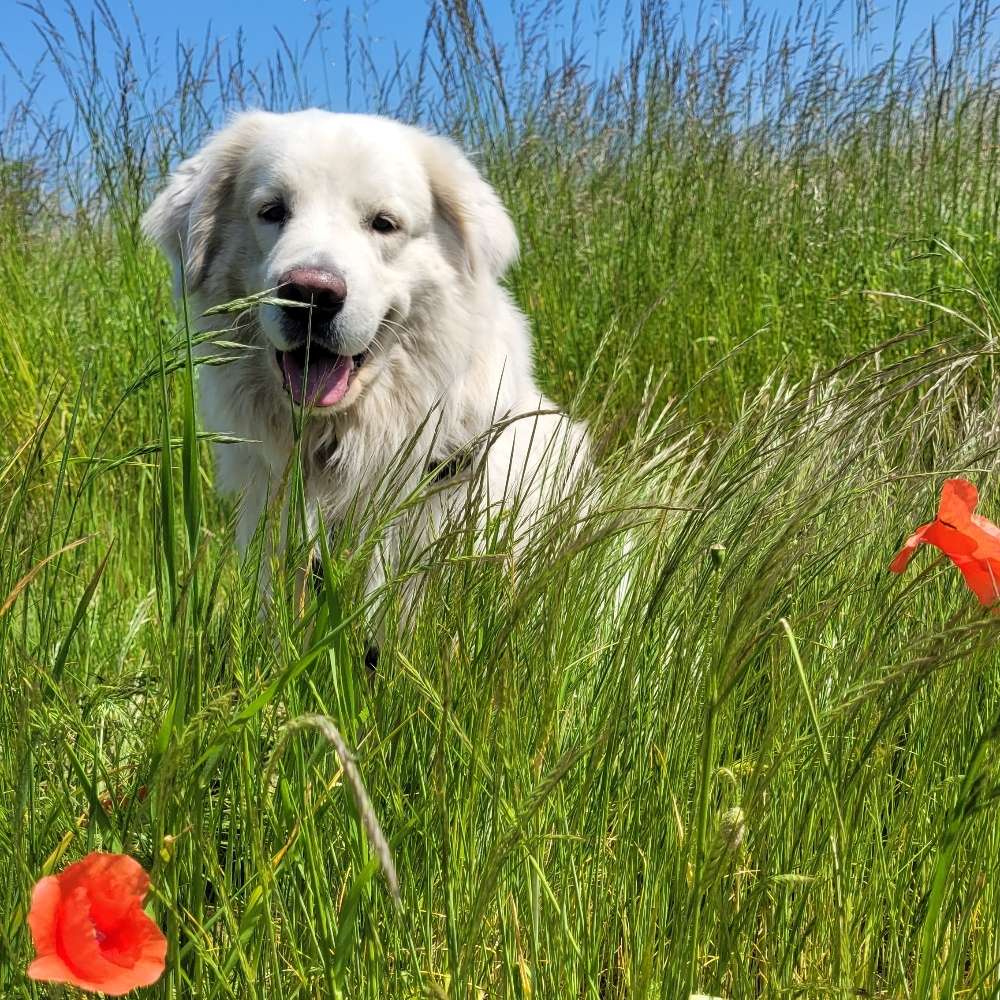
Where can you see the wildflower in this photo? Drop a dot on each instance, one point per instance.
(971, 542)
(90, 930)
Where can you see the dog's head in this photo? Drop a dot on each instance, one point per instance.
(357, 222)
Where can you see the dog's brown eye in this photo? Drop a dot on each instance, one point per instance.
(275, 214)
(383, 224)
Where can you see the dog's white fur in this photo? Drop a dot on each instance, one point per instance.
(450, 352)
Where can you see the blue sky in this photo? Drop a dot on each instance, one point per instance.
(392, 24)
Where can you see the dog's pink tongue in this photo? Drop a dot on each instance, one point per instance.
(325, 382)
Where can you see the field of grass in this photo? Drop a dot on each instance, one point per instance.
(699, 742)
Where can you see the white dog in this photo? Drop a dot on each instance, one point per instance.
(405, 349)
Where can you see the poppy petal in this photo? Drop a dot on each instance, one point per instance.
(42, 917)
(953, 542)
(982, 578)
(903, 556)
(136, 939)
(51, 969)
(76, 937)
(114, 884)
(958, 500)
(82, 952)
(990, 535)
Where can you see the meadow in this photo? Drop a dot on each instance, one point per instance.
(696, 740)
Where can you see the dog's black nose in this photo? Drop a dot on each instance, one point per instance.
(324, 290)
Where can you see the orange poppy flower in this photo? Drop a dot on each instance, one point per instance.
(970, 541)
(90, 930)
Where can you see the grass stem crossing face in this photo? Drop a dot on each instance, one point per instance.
(313, 372)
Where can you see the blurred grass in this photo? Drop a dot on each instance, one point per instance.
(699, 741)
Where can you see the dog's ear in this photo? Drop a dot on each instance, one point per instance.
(185, 218)
(470, 207)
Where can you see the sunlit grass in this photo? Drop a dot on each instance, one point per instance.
(694, 738)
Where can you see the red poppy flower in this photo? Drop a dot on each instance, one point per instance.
(90, 930)
(971, 542)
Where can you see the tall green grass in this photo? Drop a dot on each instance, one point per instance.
(694, 738)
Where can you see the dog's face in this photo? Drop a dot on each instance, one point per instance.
(354, 221)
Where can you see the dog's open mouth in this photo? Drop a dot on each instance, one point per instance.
(324, 381)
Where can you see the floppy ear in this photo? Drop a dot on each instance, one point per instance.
(470, 207)
(186, 217)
